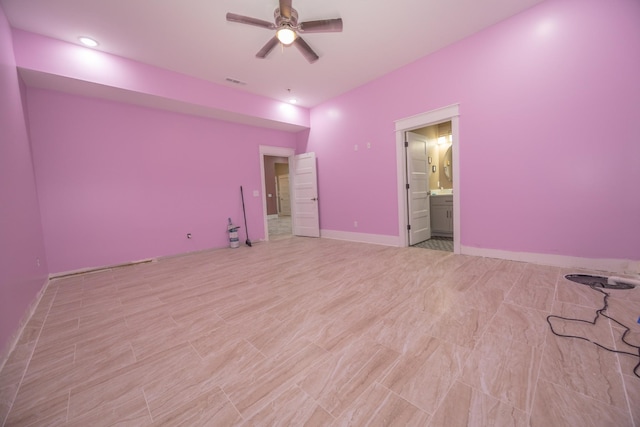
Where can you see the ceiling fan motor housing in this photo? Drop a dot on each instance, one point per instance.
(282, 21)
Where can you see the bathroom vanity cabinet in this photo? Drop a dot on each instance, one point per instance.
(442, 215)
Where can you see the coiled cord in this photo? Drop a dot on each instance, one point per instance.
(599, 313)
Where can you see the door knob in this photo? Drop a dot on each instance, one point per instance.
(314, 199)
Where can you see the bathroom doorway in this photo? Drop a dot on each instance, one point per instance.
(440, 129)
(430, 192)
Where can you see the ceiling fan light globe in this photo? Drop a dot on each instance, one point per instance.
(286, 35)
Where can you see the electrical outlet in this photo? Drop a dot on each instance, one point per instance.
(188, 235)
(37, 262)
(355, 224)
(355, 147)
(368, 145)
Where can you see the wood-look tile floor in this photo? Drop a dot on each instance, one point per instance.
(321, 332)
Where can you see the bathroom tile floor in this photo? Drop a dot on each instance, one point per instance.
(322, 332)
(437, 243)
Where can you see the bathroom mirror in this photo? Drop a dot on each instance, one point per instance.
(447, 166)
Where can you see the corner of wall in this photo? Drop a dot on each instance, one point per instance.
(10, 345)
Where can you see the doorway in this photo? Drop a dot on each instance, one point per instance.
(276, 179)
(274, 168)
(430, 192)
(411, 124)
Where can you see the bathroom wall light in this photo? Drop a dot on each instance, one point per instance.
(445, 139)
(87, 41)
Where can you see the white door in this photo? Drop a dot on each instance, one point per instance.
(418, 192)
(304, 195)
(284, 202)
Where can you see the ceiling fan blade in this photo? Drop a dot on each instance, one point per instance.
(306, 50)
(232, 17)
(267, 48)
(285, 8)
(322, 26)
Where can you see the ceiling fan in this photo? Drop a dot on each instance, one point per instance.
(287, 29)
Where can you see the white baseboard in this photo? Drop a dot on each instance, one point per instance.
(96, 269)
(13, 341)
(621, 266)
(272, 216)
(376, 239)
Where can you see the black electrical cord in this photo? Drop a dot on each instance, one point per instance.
(599, 313)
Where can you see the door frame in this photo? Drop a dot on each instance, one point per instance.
(266, 150)
(429, 118)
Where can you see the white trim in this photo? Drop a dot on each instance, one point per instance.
(376, 239)
(266, 150)
(429, 118)
(273, 216)
(424, 119)
(96, 269)
(5, 352)
(620, 266)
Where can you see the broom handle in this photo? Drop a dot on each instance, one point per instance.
(244, 212)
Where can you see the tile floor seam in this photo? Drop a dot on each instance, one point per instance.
(497, 399)
(586, 396)
(256, 348)
(244, 419)
(146, 401)
(624, 381)
(195, 349)
(381, 405)
(460, 377)
(68, 405)
(135, 359)
(542, 354)
(391, 392)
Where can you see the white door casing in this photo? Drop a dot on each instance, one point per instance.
(419, 219)
(452, 113)
(304, 195)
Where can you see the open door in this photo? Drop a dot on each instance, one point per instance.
(419, 220)
(304, 195)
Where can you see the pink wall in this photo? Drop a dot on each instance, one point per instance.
(549, 124)
(21, 241)
(119, 183)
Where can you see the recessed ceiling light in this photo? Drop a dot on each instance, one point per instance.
(292, 99)
(88, 41)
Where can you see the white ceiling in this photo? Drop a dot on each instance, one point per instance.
(193, 37)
